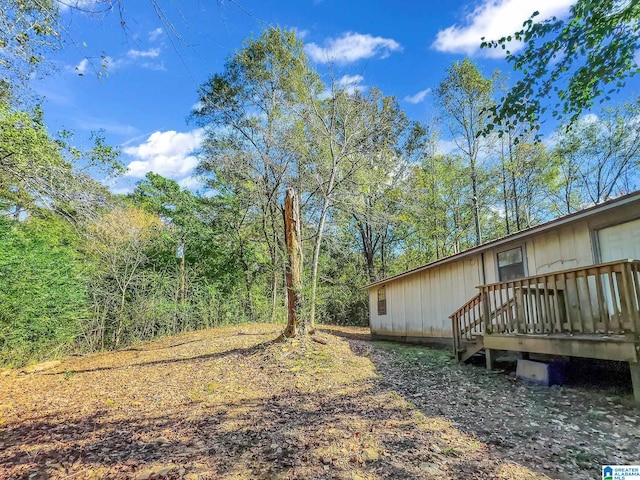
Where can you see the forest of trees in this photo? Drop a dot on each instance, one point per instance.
(377, 196)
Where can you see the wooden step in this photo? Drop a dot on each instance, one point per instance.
(469, 349)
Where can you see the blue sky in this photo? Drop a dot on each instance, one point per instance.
(402, 48)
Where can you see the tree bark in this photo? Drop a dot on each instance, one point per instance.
(294, 267)
(367, 246)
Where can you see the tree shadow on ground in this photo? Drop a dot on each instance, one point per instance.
(143, 349)
(197, 358)
(560, 427)
(348, 332)
(331, 430)
(278, 435)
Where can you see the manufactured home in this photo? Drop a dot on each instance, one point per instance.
(567, 287)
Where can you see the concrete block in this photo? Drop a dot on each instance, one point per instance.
(541, 373)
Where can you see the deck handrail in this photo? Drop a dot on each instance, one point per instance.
(569, 270)
(599, 299)
(596, 299)
(475, 299)
(466, 320)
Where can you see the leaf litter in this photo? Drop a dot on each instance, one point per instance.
(232, 403)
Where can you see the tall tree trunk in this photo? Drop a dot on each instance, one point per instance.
(367, 247)
(294, 268)
(476, 203)
(272, 243)
(248, 302)
(274, 294)
(316, 260)
(516, 206)
(505, 195)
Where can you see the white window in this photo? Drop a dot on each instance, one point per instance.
(382, 301)
(511, 264)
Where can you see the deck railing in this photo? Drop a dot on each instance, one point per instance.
(466, 321)
(600, 299)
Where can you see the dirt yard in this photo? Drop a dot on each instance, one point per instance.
(230, 403)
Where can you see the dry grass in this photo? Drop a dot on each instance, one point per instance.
(229, 403)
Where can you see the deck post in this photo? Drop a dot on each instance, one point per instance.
(456, 336)
(490, 356)
(635, 380)
(486, 310)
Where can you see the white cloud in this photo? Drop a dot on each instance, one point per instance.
(140, 58)
(494, 19)
(418, 97)
(155, 34)
(301, 34)
(348, 83)
(588, 118)
(351, 83)
(96, 65)
(81, 68)
(169, 154)
(151, 53)
(446, 146)
(551, 141)
(116, 128)
(191, 183)
(347, 80)
(352, 47)
(111, 64)
(92, 6)
(122, 190)
(158, 67)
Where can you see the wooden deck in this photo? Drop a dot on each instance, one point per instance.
(591, 312)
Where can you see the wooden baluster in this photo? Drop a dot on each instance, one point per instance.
(504, 302)
(500, 317)
(517, 302)
(466, 322)
(530, 312)
(602, 302)
(627, 320)
(635, 285)
(547, 306)
(634, 267)
(504, 319)
(614, 324)
(472, 313)
(509, 306)
(539, 315)
(576, 322)
(558, 305)
(592, 316)
(486, 310)
(454, 328)
(566, 324)
(494, 310)
(525, 303)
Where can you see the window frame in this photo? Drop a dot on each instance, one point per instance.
(523, 262)
(382, 302)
